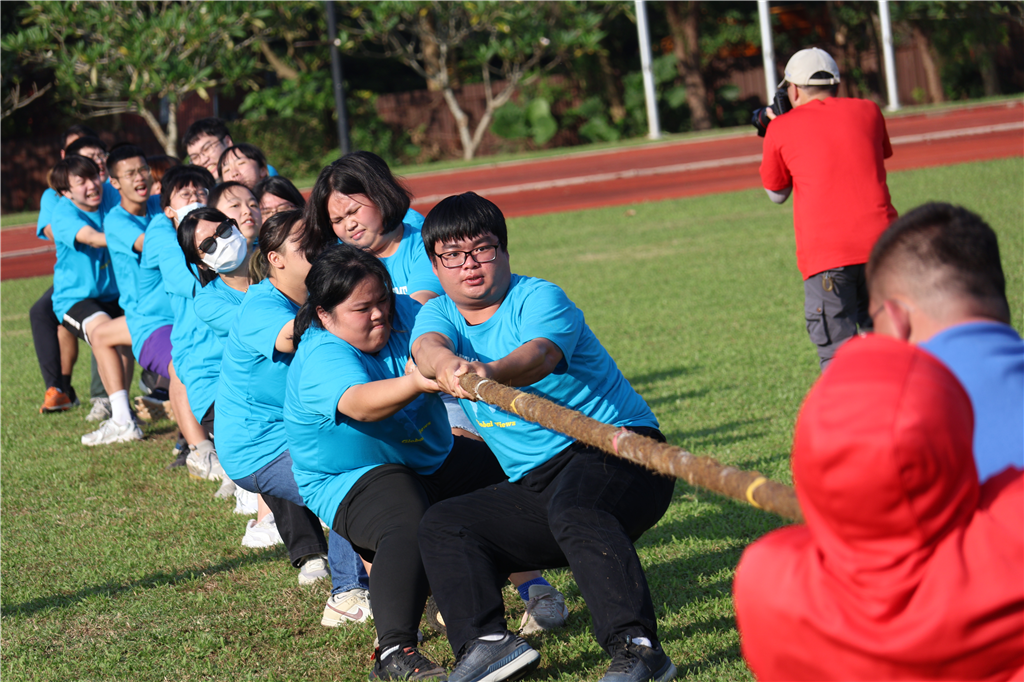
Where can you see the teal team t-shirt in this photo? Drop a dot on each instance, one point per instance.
(330, 451)
(146, 305)
(217, 306)
(587, 380)
(81, 271)
(249, 420)
(196, 350)
(410, 267)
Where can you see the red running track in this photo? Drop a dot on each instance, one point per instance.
(650, 172)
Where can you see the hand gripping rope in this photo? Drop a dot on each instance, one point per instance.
(705, 472)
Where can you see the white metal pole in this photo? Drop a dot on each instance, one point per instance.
(767, 49)
(653, 124)
(890, 60)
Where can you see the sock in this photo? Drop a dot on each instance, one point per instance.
(493, 638)
(119, 408)
(387, 652)
(65, 384)
(643, 641)
(524, 589)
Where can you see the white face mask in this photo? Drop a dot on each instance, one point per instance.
(183, 212)
(229, 253)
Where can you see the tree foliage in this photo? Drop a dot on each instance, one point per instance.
(450, 43)
(118, 57)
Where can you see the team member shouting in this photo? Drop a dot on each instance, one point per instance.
(565, 503)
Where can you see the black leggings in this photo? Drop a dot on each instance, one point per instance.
(381, 515)
(44, 325)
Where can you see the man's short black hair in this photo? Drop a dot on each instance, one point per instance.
(953, 248)
(121, 153)
(177, 177)
(831, 90)
(77, 130)
(72, 165)
(87, 142)
(205, 126)
(463, 216)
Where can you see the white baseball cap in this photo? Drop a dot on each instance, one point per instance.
(804, 64)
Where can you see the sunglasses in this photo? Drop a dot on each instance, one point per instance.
(209, 245)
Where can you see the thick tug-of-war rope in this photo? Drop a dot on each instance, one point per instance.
(744, 486)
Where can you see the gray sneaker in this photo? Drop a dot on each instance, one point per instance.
(204, 465)
(313, 569)
(507, 659)
(100, 410)
(545, 611)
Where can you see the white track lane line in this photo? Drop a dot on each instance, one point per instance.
(702, 165)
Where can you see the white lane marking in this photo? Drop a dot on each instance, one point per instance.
(27, 252)
(960, 132)
(605, 177)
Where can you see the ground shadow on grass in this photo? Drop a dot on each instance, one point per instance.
(646, 381)
(717, 436)
(774, 466)
(159, 579)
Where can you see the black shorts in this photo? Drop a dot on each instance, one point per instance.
(80, 315)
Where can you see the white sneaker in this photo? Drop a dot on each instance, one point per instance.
(226, 490)
(313, 569)
(347, 607)
(204, 465)
(245, 502)
(110, 432)
(100, 410)
(262, 534)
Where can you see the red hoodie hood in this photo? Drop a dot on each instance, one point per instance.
(905, 567)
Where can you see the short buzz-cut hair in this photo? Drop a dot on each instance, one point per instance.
(177, 177)
(76, 131)
(77, 166)
(215, 127)
(942, 251)
(463, 216)
(122, 153)
(86, 142)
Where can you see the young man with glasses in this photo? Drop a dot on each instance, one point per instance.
(565, 503)
(85, 292)
(146, 324)
(206, 140)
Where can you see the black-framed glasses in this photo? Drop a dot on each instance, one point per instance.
(200, 156)
(209, 245)
(456, 259)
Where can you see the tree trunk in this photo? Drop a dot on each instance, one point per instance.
(683, 18)
(989, 75)
(461, 122)
(611, 87)
(931, 68)
(433, 63)
(165, 140)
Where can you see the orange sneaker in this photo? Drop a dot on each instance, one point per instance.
(56, 401)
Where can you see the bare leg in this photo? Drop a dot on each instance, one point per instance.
(262, 510)
(105, 335)
(518, 579)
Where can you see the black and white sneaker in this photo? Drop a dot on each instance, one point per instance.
(406, 664)
(633, 662)
(506, 659)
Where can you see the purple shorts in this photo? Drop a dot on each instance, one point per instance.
(156, 352)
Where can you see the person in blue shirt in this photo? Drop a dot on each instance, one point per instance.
(357, 200)
(252, 444)
(84, 289)
(565, 503)
(193, 383)
(244, 163)
(277, 194)
(56, 348)
(145, 327)
(205, 141)
(935, 279)
(370, 441)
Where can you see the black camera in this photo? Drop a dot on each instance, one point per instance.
(780, 105)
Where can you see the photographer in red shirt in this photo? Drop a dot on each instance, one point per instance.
(829, 153)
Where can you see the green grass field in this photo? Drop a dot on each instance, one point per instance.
(112, 567)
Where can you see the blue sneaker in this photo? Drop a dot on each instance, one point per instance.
(506, 659)
(633, 662)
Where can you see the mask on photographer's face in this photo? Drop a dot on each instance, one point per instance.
(228, 254)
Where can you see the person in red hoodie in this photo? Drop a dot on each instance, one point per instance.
(906, 568)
